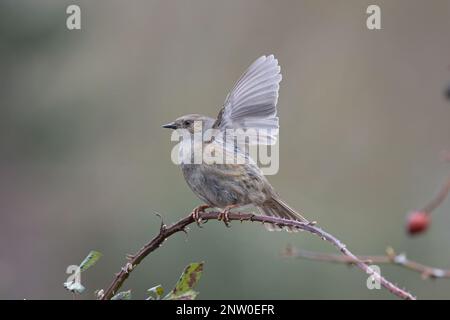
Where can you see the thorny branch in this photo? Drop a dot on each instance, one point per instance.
(391, 257)
(180, 226)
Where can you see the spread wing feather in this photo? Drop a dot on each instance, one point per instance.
(252, 102)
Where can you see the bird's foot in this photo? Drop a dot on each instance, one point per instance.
(223, 216)
(196, 213)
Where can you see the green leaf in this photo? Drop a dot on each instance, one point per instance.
(124, 295)
(90, 260)
(156, 292)
(74, 287)
(188, 280)
(188, 295)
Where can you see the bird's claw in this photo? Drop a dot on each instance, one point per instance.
(196, 214)
(224, 215)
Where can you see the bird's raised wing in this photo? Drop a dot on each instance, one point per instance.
(252, 102)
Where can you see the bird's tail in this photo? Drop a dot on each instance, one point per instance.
(277, 208)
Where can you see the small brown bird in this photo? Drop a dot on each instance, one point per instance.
(250, 104)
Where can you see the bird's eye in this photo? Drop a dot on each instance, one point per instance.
(187, 122)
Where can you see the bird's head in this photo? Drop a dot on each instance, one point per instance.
(191, 122)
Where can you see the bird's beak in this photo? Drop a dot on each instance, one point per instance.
(171, 125)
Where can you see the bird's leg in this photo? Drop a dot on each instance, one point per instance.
(196, 213)
(224, 214)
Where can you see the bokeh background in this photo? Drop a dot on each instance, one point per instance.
(84, 162)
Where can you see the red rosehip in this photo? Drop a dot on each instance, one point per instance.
(417, 222)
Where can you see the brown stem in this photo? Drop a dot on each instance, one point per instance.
(390, 258)
(166, 232)
(439, 198)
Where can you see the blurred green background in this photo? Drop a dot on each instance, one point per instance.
(84, 162)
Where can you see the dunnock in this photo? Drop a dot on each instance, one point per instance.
(250, 104)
